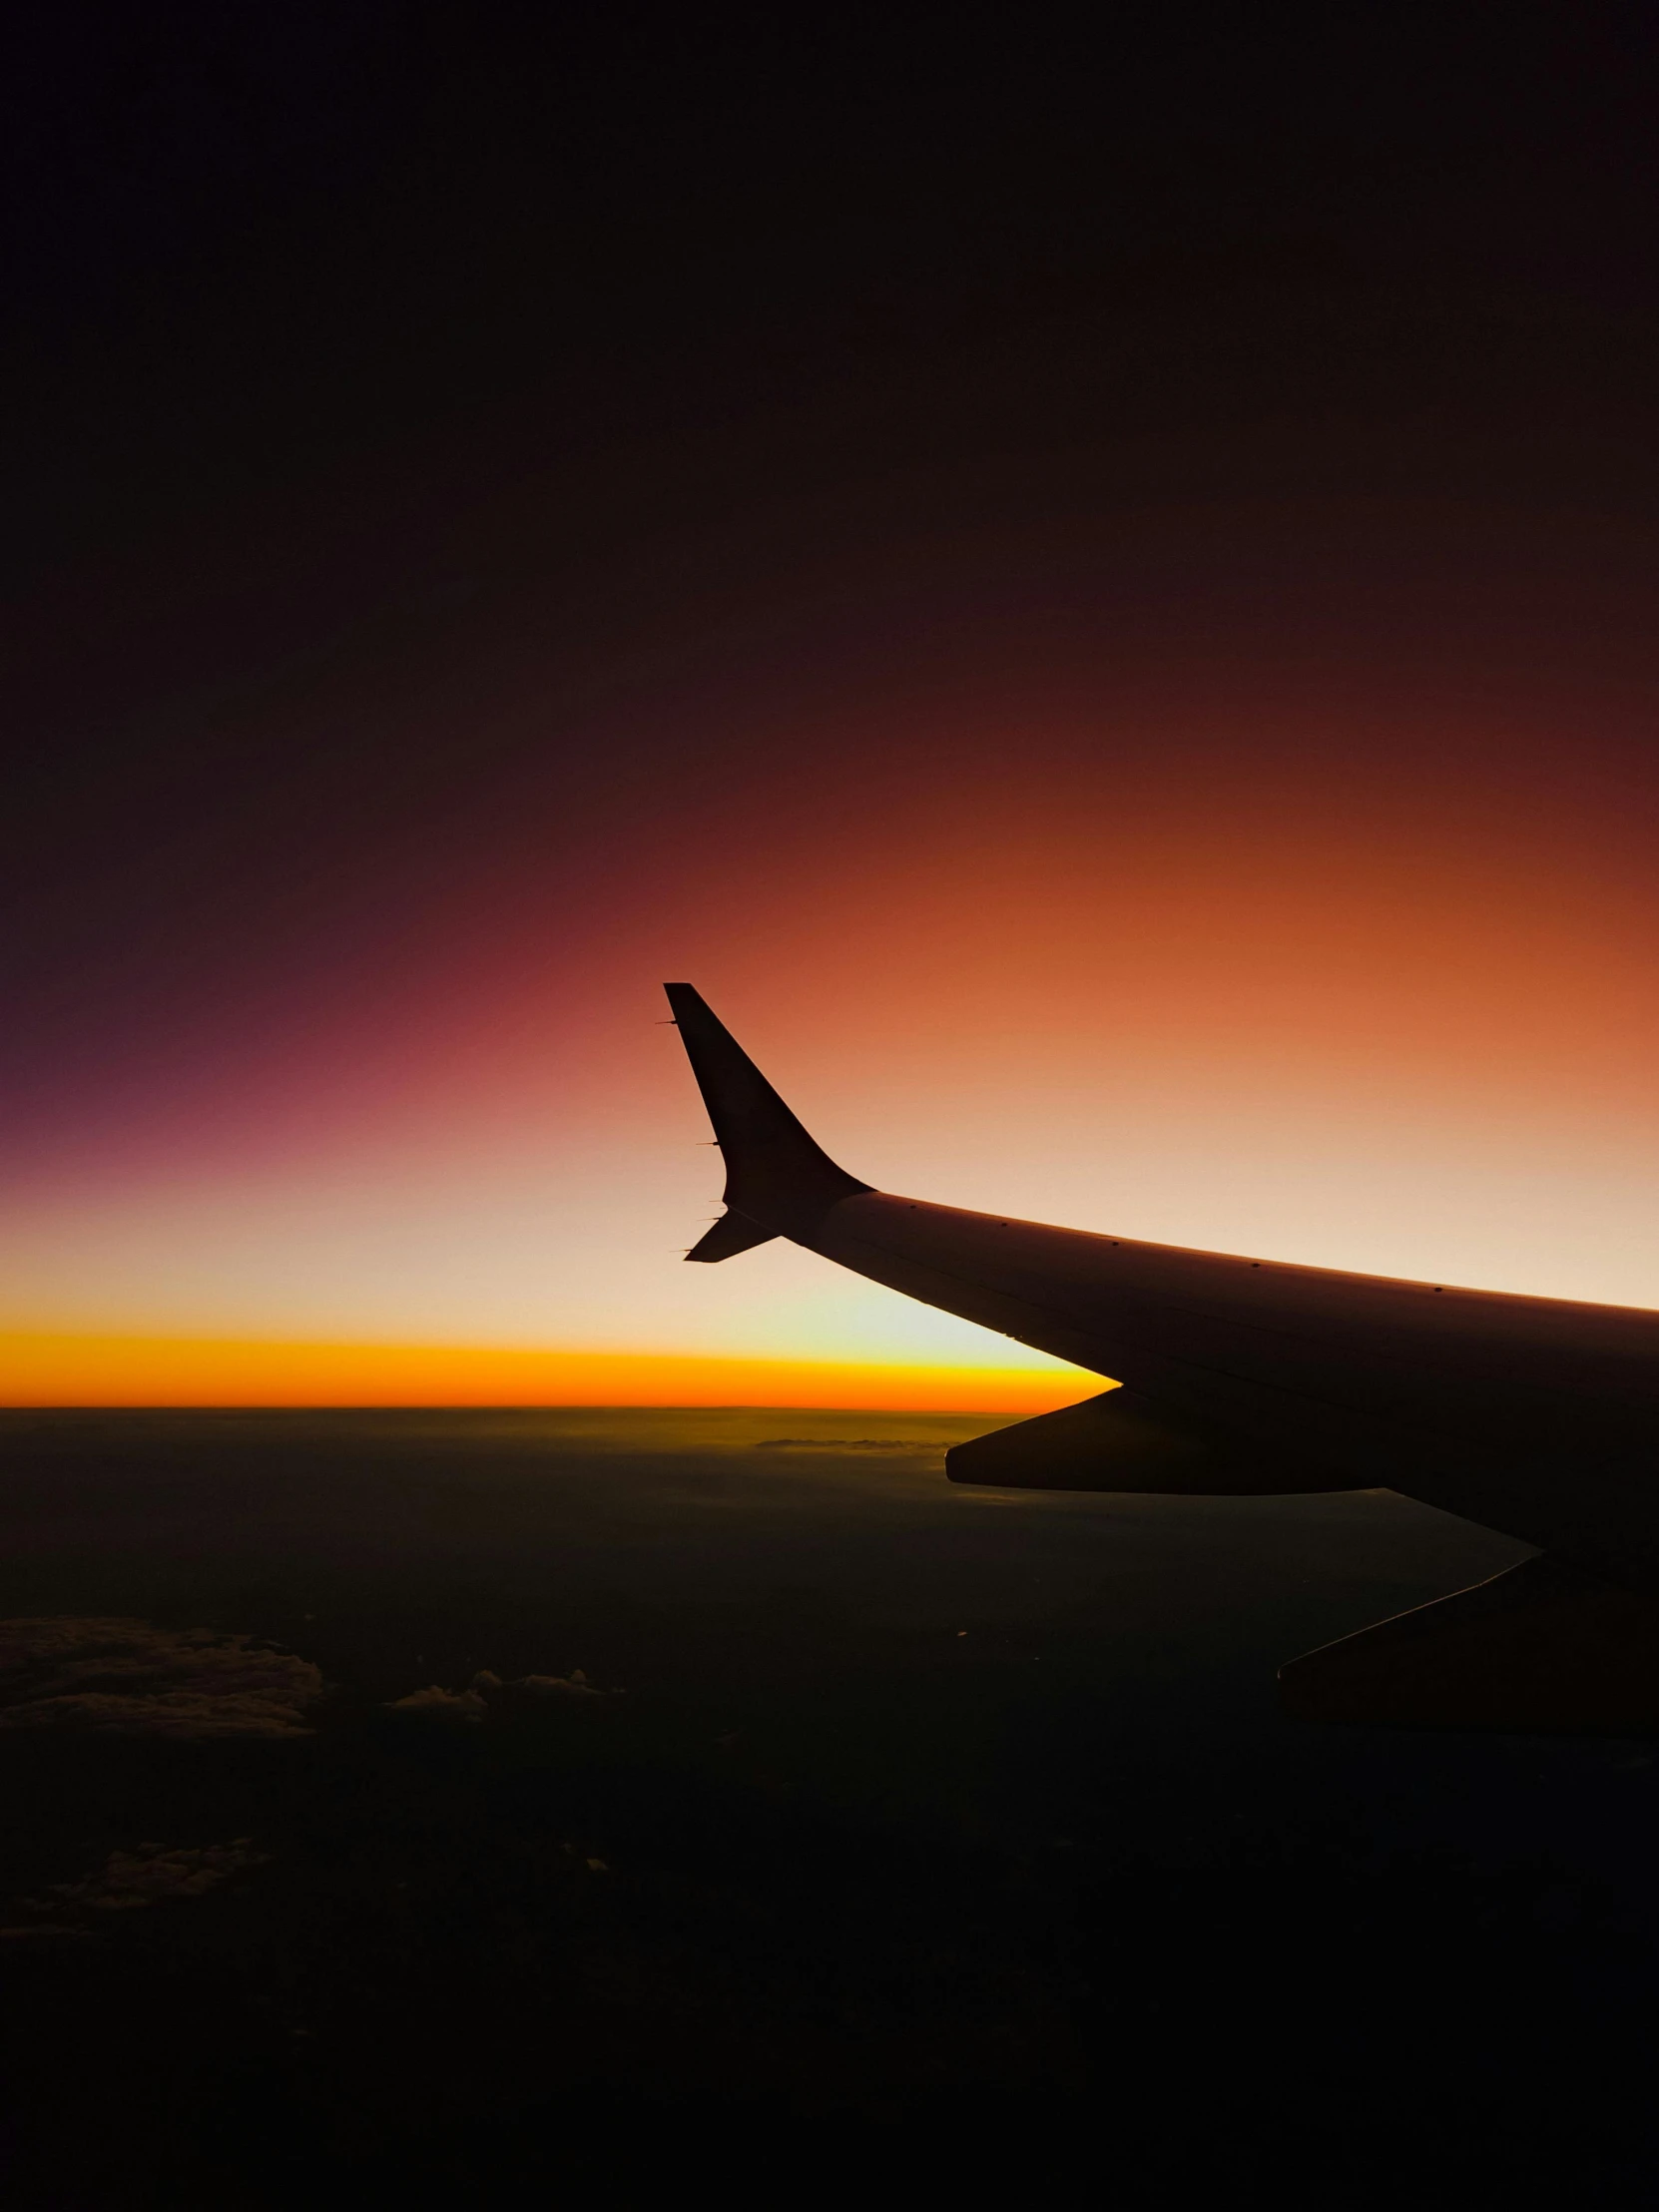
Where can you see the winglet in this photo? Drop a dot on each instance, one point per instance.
(731, 1234)
(776, 1176)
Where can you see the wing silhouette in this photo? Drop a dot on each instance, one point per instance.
(1536, 1416)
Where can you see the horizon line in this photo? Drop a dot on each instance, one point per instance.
(128, 1370)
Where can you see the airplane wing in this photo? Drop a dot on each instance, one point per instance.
(1535, 1416)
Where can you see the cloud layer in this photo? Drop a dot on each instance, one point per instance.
(474, 1702)
(153, 1874)
(134, 1679)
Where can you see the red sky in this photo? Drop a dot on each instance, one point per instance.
(1260, 877)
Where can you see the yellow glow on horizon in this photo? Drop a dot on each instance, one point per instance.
(46, 1368)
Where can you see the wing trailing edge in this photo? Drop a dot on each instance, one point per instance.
(1543, 1648)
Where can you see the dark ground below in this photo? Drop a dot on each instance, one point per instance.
(914, 1836)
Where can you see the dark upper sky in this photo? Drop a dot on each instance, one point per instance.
(247, 239)
(300, 296)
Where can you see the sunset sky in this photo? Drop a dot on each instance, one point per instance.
(1156, 734)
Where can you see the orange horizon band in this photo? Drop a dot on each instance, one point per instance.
(44, 1368)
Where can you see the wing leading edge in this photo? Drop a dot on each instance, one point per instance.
(1536, 1416)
